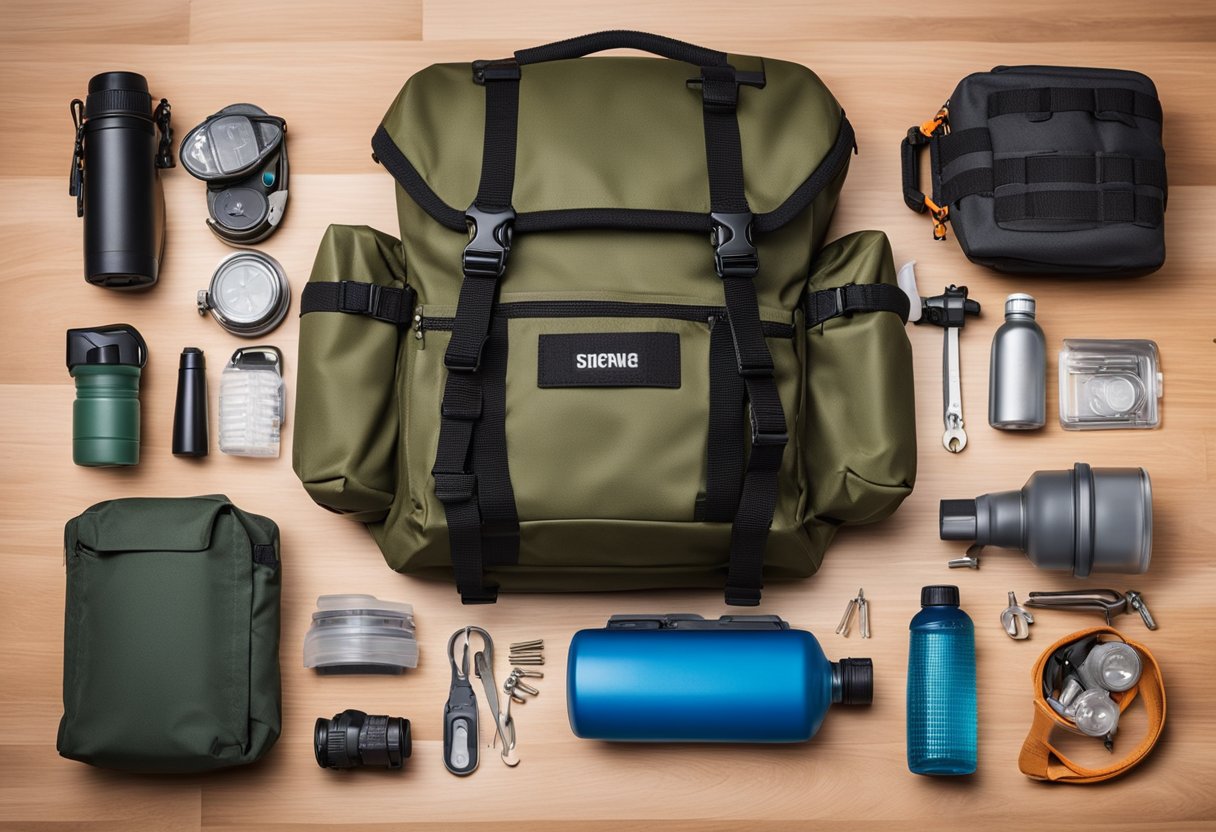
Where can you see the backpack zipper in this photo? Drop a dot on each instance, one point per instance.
(595, 309)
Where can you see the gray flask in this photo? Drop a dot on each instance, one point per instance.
(1017, 375)
(1083, 520)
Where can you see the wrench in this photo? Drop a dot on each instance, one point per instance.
(949, 310)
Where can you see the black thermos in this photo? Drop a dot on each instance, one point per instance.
(190, 411)
(121, 142)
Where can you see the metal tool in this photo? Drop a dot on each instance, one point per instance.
(1108, 602)
(460, 723)
(971, 560)
(842, 629)
(858, 605)
(949, 310)
(1016, 619)
(483, 664)
(537, 643)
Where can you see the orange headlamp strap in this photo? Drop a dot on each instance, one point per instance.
(1041, 760)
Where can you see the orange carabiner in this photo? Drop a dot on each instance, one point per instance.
(931, 126)
(941, 215)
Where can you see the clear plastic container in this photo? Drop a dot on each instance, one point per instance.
(360, 634)
(252, 402)
(1109, 384)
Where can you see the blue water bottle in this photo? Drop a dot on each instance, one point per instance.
(941, 686)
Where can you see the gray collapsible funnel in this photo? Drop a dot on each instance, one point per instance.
(1084, 520)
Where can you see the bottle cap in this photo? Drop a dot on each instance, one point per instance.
(1019, 304)
(957, 519)
(856, 681)
(940, 595)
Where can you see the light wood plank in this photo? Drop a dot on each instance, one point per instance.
(331, 70)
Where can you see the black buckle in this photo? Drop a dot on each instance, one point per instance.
(489, 242)
(357, 298)
(842, 302)
(501, 69)
(734, 253)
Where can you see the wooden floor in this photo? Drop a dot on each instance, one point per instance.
(331, 69)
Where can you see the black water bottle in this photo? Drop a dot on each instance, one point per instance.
(121, 143)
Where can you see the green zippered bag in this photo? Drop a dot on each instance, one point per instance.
(171, 636)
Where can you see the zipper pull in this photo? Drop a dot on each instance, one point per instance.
(76, 179)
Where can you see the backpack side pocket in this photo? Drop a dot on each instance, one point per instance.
(352, 314)
(859, 440)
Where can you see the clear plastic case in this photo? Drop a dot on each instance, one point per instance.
(1108, 384)
(252, 402)
(360, 634)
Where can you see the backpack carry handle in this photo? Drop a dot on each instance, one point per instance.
(664, 47)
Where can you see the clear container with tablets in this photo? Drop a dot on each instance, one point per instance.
(1108, 384)
(252, 402)
(360, 634)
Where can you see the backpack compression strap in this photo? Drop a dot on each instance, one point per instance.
(472, 479)
(736, 263)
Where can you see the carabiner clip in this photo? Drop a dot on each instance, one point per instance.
(941, 216)
(941, 121)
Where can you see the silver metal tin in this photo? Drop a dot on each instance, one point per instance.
(249, 294)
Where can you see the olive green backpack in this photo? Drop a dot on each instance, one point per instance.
(610, 349)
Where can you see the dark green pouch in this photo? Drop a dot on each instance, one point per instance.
(171, 636)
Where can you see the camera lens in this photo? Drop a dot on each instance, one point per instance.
(353, 739)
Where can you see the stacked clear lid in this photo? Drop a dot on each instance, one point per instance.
(360, 634)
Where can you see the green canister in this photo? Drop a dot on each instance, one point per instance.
(106, 362)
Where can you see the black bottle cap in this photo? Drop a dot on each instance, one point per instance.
(113, 344)
(956, 520)
(192, 359)
(940, 595)
(856, 681)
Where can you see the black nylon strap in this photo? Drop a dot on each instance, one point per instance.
(1097, 100)
(384, 303)
(724, 453)
(1081, 206)
(1089, 170)
(676, 50)
(388, 154)
(1053, 169)
(825, 304)
(737, 265)
(961, 142)
(495, 495)
(471, 476)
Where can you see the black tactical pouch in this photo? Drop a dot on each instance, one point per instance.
(1043, 169)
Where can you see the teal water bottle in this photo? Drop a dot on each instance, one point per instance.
(106, 362)
(941, 686)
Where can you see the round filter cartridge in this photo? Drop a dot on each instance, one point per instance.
(360, 634)
(249, 294)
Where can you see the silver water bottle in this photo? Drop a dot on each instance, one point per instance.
(1017, 384)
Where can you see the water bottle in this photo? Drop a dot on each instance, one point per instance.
(682, 678)
(106, 362)
(1017, 373)
(941, 686)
